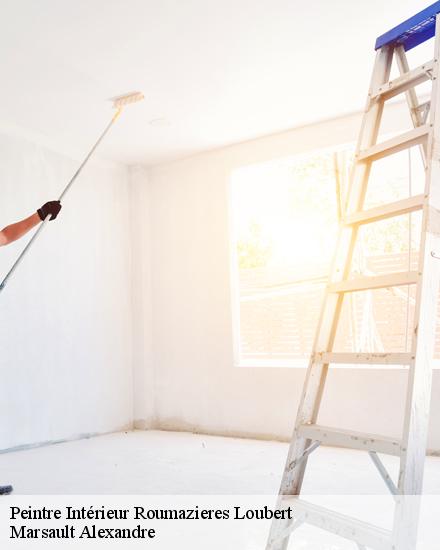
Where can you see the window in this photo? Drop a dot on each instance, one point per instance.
(285, 216)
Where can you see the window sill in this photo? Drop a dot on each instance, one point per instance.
(303, 364)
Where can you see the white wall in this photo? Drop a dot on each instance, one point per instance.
(187, 242)
(143, 371)
(65, 317)
(131, 287)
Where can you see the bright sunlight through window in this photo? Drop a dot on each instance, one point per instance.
(285, 217)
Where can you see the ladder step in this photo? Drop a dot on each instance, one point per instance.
(412, 32)
(364, 534)
(405, 81)
(396, 144)
(379, 213)
(349, 439)
(378, 281)
(364, 358)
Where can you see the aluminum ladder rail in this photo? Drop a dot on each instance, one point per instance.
(411, 446)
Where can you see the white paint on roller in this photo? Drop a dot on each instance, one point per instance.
(126, 99)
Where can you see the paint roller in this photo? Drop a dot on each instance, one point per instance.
(119, 102)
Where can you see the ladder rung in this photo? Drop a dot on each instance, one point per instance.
(377, 281)
(349, 439)
(405, 81)
(396, 144)
(364, 358)
(397, 208)
(351, 528)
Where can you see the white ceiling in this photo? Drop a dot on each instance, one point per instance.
(218, 71)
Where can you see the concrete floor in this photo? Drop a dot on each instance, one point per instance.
(155, 462)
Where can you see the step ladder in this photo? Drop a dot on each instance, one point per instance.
(308, 433)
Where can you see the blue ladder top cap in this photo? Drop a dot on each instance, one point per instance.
(413, 31)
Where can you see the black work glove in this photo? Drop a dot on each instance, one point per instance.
(52, 207)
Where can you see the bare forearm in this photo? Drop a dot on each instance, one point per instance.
(11, 233)
(16, 230)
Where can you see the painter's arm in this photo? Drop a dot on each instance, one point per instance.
(16, 230)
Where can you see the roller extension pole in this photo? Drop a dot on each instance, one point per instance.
(118, 102)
